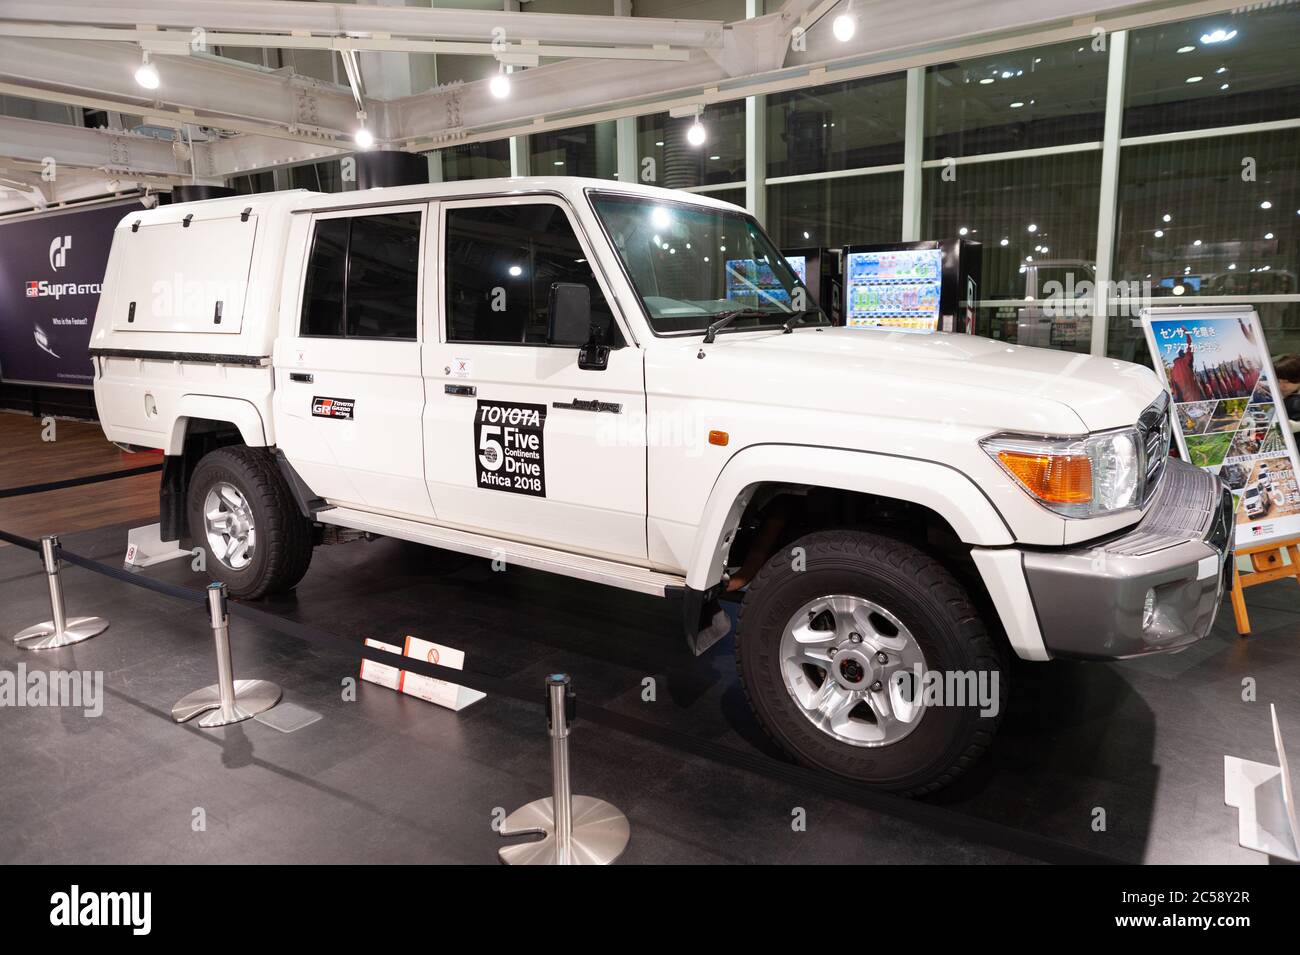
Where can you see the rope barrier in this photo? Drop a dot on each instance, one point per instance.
(78, 481)
(933, 817)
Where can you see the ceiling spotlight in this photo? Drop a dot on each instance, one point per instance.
(1218, 36)
(147, 74)
(1194, 79)
(963, 230)
(844, 27)
(1005, 242)
(1266, 204)
(500, 84)
(986, 81)
(1179, 289)
(1167, 217)
(1160, 233)
(1197, 242)
(1017, 105)
(1224, 86)
(1031, 227)
(1186, 49)
(1268, 235)
(364, 138)
(696, 134)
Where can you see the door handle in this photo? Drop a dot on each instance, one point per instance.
(463, 391)
(301, 376)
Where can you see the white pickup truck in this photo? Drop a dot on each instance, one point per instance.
(630, 386)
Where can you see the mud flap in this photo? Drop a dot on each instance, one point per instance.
(704, 619)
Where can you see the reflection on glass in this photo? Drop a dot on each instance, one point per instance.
(1024, 99)
(857, 210)
(582, 151)
(846, 125)
(665, 157)
(1225, 70)
(692, 265)
(476, 161)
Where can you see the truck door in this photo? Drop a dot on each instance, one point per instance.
(520, 442)
(349, 394)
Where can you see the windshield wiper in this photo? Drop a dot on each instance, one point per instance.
(726, 318)
(788, 325)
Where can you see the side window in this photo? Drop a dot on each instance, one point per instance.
(322, 297)
(501, 264)
(363, 277)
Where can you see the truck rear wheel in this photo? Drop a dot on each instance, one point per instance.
(243, 516)
(862, 655)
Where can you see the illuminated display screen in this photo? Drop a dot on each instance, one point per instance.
(895, 290)
(752, 282)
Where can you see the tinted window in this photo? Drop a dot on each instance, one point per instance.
(367, 269)
(501, 263)
(322, 299)
(383, 276)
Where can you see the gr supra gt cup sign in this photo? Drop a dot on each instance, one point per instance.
(51, 274)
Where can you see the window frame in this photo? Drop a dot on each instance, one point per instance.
(421, 255)
(447, 205)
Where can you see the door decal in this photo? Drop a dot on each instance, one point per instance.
(333, 408)
(508, 447)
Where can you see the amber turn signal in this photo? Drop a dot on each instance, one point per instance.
(1054, 478)
(720, 438)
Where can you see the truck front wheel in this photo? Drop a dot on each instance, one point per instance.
(861, 655)
(241, 513)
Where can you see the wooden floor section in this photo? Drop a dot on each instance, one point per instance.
(79, 448)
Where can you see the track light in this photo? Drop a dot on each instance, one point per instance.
(147, 74)
(696, 135)
(500, 84)
(364, 138)
(844, 26)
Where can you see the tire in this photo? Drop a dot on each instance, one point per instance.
(873, 579)
(280, 543)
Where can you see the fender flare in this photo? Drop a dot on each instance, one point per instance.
(943, 489)
(239, 412)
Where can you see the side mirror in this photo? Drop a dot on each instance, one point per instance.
(569, 322)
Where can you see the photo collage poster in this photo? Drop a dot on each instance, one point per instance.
(1228, 413)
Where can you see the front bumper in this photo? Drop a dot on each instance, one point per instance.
(1089, 601)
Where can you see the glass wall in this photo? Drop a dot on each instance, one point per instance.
(666, 158)
(489, 160)
(1027, 99)
(836, 212)
(848, 125)
(580, 151)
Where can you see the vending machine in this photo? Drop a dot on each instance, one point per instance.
(819, 270)
(930, 286)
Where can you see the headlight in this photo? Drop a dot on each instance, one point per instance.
(1076, 477)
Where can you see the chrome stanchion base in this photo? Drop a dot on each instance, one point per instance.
(251, 697)
(44, 636)
(600, 833)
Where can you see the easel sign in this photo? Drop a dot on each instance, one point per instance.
(1230, 420)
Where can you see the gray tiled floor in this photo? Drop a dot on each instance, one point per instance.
(392, 779)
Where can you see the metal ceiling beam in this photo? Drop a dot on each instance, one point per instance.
(130, 154)
(31, 140)
(758, 57)
(195, 89)
(373, 22)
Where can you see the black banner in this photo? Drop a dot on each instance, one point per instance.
(51, 274)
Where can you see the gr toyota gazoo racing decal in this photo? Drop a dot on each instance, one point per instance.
(509, 453)
(340, 408)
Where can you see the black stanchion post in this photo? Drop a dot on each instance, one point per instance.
(59, 632)
(575, 830)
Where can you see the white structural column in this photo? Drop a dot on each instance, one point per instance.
(1113, 129)
(628, 166)
(756, 140)
(913, 153)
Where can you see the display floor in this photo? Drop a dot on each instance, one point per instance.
(388, 778)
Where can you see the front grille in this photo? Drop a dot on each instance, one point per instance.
(1154, 431)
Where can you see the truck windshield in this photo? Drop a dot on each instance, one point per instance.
(693, 264)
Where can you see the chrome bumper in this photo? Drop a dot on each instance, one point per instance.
(1091, 601)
